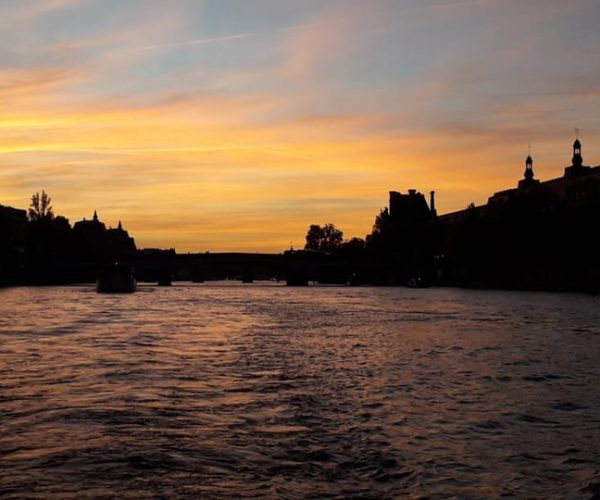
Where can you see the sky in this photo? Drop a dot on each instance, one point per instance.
(232, 125)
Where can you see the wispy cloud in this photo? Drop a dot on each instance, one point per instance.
(234, 36)
(191, 43)
(27, 10)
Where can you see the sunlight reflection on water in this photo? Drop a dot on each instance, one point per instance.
(271, 391)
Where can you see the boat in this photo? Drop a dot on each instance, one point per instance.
(247, 278)
(417, 282)
(117, 278)
(353, 280)
(198, 277)
(165, 279)
(296, 280)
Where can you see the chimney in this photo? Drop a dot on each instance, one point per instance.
(432, 203)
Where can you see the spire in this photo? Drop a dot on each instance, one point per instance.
(120, 225)
(528, 168)
(95, 215)
(577, 158)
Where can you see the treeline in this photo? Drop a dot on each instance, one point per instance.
(328, 238)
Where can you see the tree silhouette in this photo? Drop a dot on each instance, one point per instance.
(325, 238)
(314, 237)
(40, 207)
(381, 221)
(354, 244)
(353, 247)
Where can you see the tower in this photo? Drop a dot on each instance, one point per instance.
(432, 204)
(576, 169)
(528, 168)
(528, 183)
(577, 158)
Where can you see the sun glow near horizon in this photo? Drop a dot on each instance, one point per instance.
(218, 126)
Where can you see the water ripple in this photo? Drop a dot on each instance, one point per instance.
(269, 392)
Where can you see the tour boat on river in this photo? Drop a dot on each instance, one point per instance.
(117, 278)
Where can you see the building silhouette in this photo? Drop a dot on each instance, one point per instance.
(411, 207)
(95, 241)
(579, 183)
(13, 242)
(49, 251)
(13, 230)
(538, 234)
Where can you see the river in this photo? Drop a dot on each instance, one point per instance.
(263, 391)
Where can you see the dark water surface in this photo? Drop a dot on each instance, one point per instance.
(274, 392)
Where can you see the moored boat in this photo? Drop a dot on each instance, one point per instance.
(247, 278)
(296, 280)
(117, 278)
(417, 282)
(165, 279)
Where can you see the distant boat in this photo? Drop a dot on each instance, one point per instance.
(165, 281)
(297, 280)
(117, 278)
(417, 282)
(198, 277)
(353, 280)
(247, 278)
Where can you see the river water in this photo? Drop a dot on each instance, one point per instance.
(222, 391)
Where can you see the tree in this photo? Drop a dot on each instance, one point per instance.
(40, 207)
(332, 237)
(354, 245)
(314, 237)
(325, 238)
(381, 221)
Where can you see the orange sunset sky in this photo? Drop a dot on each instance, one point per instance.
(234, 124)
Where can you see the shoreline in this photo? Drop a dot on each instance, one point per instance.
(259, 283)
